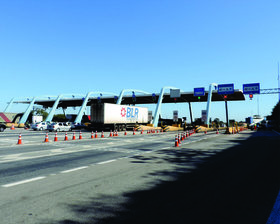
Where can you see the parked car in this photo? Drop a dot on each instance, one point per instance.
(40, 126)
(59, 126)
(2, 127)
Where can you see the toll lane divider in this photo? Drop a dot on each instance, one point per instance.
(184, 135)
(92, 136)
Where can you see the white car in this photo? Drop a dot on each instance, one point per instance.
(59, 126)
(40, 126)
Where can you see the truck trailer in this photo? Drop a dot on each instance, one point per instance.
(117, 117)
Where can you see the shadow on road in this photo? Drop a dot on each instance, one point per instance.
(237, 185)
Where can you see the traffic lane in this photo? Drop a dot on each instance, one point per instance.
(48, 198)
(139, 141)
(29, 143)
(237, 184)
(27, 169)
(149, 185)
(46, 164)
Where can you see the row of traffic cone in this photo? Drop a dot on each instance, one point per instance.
(181, 137)
(81, 137)
(115, 134)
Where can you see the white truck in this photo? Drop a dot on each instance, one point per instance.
(117, 117)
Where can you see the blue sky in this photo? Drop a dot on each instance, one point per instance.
(66, 46)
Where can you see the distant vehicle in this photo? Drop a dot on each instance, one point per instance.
(59, 126)
(75, 125)
(40, 126)
(2, 127)
(117, 117)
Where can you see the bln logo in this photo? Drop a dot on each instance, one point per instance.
(129, 112)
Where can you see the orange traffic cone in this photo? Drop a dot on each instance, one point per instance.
(80, 135)
(47, 137)
(176, 141)
(217, 132)
(102, 135)
(92, 135)
(96, 136)
(111, 134)
(74, 136)
(125, 133)
(179, 140)
(13, 127)
(55, 137)
(182, 137)
(142, 132)
(66, 137)
(188, 134)
(117, 134)
(205, 132)
(134, 132)
(19, 140)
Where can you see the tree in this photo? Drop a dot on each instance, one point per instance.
(275, 115)
(217, 122)
(42, 112)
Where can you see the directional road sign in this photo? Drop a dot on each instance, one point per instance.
(226, 89)
(252, 88)
(199, 91)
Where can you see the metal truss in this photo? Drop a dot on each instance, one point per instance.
(270, 91)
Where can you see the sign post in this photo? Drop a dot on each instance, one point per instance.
(225, 89)
(203, 115)
(175, 115)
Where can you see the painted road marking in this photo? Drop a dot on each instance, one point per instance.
(74, 169)
(276, 132)
(23, 181)
(166, 148)
(108, 161)
(274, 217)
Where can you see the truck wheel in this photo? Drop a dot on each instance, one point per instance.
(1, 129)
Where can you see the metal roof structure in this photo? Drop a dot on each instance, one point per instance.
(143, 97)
(139, 99)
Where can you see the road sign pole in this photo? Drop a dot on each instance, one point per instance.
(190, 108)
(226, 113)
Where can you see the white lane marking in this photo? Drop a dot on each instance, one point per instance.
(23, 181)
(276, 132)
(166, 148)
(75, 169)
(108, 161)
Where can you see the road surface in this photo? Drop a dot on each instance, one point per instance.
(139, 179)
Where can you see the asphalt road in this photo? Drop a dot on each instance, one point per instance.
(139, 179)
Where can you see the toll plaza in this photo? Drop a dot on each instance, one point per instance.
(129, 97)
